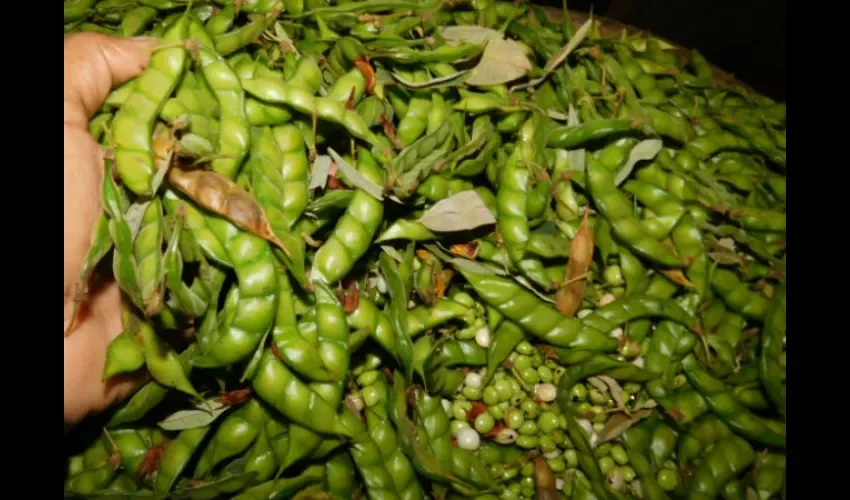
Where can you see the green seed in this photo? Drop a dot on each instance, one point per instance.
(484, 423)
(606, 464)
(525, 348)
(514, 418)
(497, 411)
(529, 376)
(613, 275)
(596, 397)
(458, 425)
(527, 470)
(548, 422)
(571, 457)
(459, 409)
(628, 473)
(528, 428)
(603, 449)
(668, 479)
(503, 387)
(471, 393)
(618, 453)
(527, 442)
(557, 464)
(547, 444)
(578, 392)
(490, 395)
(530, 408)
(545, 374)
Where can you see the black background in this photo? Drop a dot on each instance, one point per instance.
(743, 37)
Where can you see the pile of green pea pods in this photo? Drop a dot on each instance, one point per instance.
(433, 249)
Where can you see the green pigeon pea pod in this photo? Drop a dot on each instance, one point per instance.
(669, 343)
(728, 458)
(196, 223)
(572, 137)
(423, 318)
(406, 229)
(132, 445)
(439, 187)
(234, 138)
(470, 167)
(221, 22)
(256, 295)
(148, 396)
(261, 458)
(737, 295)
(505, 338)
(415, 120)
(123, 355)
(685, 406)
(638, 442)
(627, 309)
(367, 316)
(228, 482)
(76, 10)
(92, 471)
(279, 387)
(340, 476)
(355, 230)
(235, 39)
(133, 123)
(300, 354)
(699, 437)
(771, 371)
(237, 433)
(300, 99)
(736, 415)
(333, 333)
(533, 315)
(174, 459)
(511, 202)
(163, 363)
(147, 250)
(284, 487)
(662, 204)
(769, 474)
(193, 300)
(405, 182)
(135, 21)
(376, 398)
(616, 208)
(372, 467)
(688, 240)
(348, 88)
(294, 170)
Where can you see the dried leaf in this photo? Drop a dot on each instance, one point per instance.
(205, 413)
(353, 176)
(569, 296)
(461, 212)
(319, 172)
(598, 384)
(644, 150)
(564, 52)
(502, 61)
(727, 243)
(469, 34)
(439, 82)
(678, 277)
(544, 481)
(618, 423)
(615, 390)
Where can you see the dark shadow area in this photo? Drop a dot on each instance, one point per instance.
(745, 38)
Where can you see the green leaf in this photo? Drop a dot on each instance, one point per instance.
(502, 61)
(643, 151)
(319, 172)
(462, 212)
(204, 414)
(353, 176)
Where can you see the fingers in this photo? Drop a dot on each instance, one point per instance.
(94, 64)
(85, 357)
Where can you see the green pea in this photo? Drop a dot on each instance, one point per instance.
(527, 442)
(679, 381)
(548, 422)
(557, 464)
(547, 444)
(598, 426)
(500, 375)
(464, 298)
(527, 470)
(517, 399)
(596, 397)
(530, 408)
(459, 409)
(603, 449)
(525, 348)
(490, 395)
(528, 428)
(458, 425)
(628, 473)
(584, 408)
(471, 393)
(618, 291)
(484, 423)
(527, 492)
(515, 387)
(618, 453)
(571, 457)
(537, 360)
(515, 489)
(514, 418)
(578, 392)
(545, 374)
(522, 362)
(667, 479)
(503, 387)
(527, 482)
(606, 464)
(529, 376)
(508, 474)
(498, 410)
(613, 275)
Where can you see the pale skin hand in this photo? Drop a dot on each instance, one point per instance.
(94, 64)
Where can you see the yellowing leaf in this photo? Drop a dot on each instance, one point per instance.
(502, 61)
(203, 415)
(618, 423)
(469, 34)
(644, 150)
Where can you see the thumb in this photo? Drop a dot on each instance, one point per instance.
(94, 64)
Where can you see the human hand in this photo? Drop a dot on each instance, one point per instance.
(94, 64)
